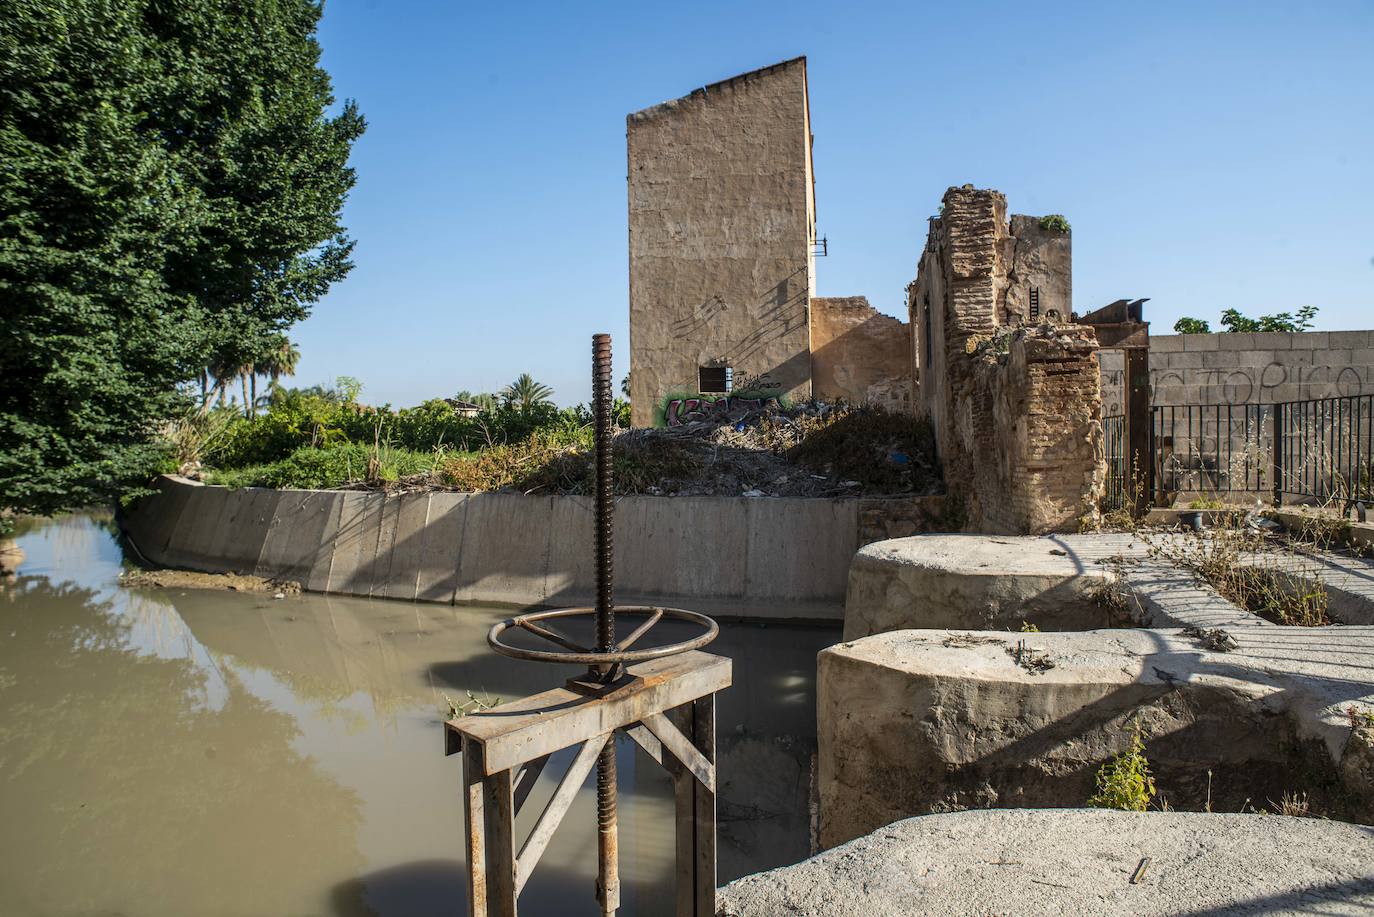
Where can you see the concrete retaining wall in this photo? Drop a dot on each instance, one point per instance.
(769, 557)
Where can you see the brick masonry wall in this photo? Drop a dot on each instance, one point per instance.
(1263, 368)
(858, 354)
(1018, 425)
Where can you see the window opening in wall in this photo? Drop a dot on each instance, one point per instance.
(715, 379)
(1034, 303)
(925, 331)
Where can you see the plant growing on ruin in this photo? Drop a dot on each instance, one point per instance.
(1187, 325)
(1055, 222)
(1125, 782)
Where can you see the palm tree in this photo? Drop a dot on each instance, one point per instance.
(279, 361)
(525, 393)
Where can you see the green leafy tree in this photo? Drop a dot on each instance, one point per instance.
(171, 189)
(1187, 325)
(525, 394)
(1232, 320)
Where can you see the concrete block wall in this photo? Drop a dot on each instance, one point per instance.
(1262, 368)
(771, 557)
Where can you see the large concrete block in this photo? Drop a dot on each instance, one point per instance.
(912, 722)
(1274, 340)
(406, 544)
(972, 581)
(1193, 342)
(197, 537)
(1348, 339)
(437, 578)
(798, 548)
(246, 525)
(1310, 340)
(990, 862)
(1165, 343)
(505, 554)
(571, 572)
(686, 546)
(355, 567)
(300, 543)
(1236, 341)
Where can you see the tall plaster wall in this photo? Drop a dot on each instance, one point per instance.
(776, 557)
(721, 221)
(859, 355)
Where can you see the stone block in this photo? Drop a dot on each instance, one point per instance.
(1166, 343)
(1274, 340)
(1200, 342)
(1348, 339)
(1236, 341)
(1310, 340)
(1215, 359)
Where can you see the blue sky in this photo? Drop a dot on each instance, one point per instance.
(1208, 155)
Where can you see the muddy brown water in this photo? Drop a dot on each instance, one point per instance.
(188, 752)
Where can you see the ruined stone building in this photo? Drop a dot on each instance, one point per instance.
(1008, 381)
(722, 218)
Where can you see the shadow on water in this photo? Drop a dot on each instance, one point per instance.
(174, 752)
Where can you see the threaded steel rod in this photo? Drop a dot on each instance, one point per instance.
(608, 869)
(605, 507)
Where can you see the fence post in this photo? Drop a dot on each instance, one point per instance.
(1138, 458)
(1276, 458)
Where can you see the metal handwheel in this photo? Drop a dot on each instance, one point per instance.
(621, 655)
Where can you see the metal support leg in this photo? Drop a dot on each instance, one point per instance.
(498, 807)
(476, 830)
(696, 813)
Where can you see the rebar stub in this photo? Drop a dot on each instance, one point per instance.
(576, 653)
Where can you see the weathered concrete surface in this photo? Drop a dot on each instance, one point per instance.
(722, 217)
(972, 581)
(1057, 583)
(912, 722)
(1076, 862)
(859, 355)
(778, 557)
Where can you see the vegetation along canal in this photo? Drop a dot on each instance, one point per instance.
(209, 752)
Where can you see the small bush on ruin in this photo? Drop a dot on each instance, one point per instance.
(1125, 782)
(1055, 222)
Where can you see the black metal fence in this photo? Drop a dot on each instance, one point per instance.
(1320, 450)
(1212, 448)
(1324, 449)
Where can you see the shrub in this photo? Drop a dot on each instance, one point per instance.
(1055, 222)
(313, 468)
(1125, 782)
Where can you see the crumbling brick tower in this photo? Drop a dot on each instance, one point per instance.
(1008, 382)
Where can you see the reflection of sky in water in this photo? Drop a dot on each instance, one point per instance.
(362, 684)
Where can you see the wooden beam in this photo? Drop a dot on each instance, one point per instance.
(553, 813)
(681, 748)
(515, 733)
(704, 735)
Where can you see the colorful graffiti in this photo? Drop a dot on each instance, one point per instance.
(720, 408)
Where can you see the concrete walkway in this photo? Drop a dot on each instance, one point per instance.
(1076, 861)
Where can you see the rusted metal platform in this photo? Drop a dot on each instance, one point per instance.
(665, 705)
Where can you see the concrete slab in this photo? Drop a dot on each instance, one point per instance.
(404, 542)
(437, 578)
(917, 721)
(505, 548)
(354, 567)
(299, 544)
(775, 569)
(1076, 862)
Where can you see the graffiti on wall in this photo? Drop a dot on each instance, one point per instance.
(717, 408)
(1248, 385)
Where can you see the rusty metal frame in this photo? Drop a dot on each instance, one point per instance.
(666, 706)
